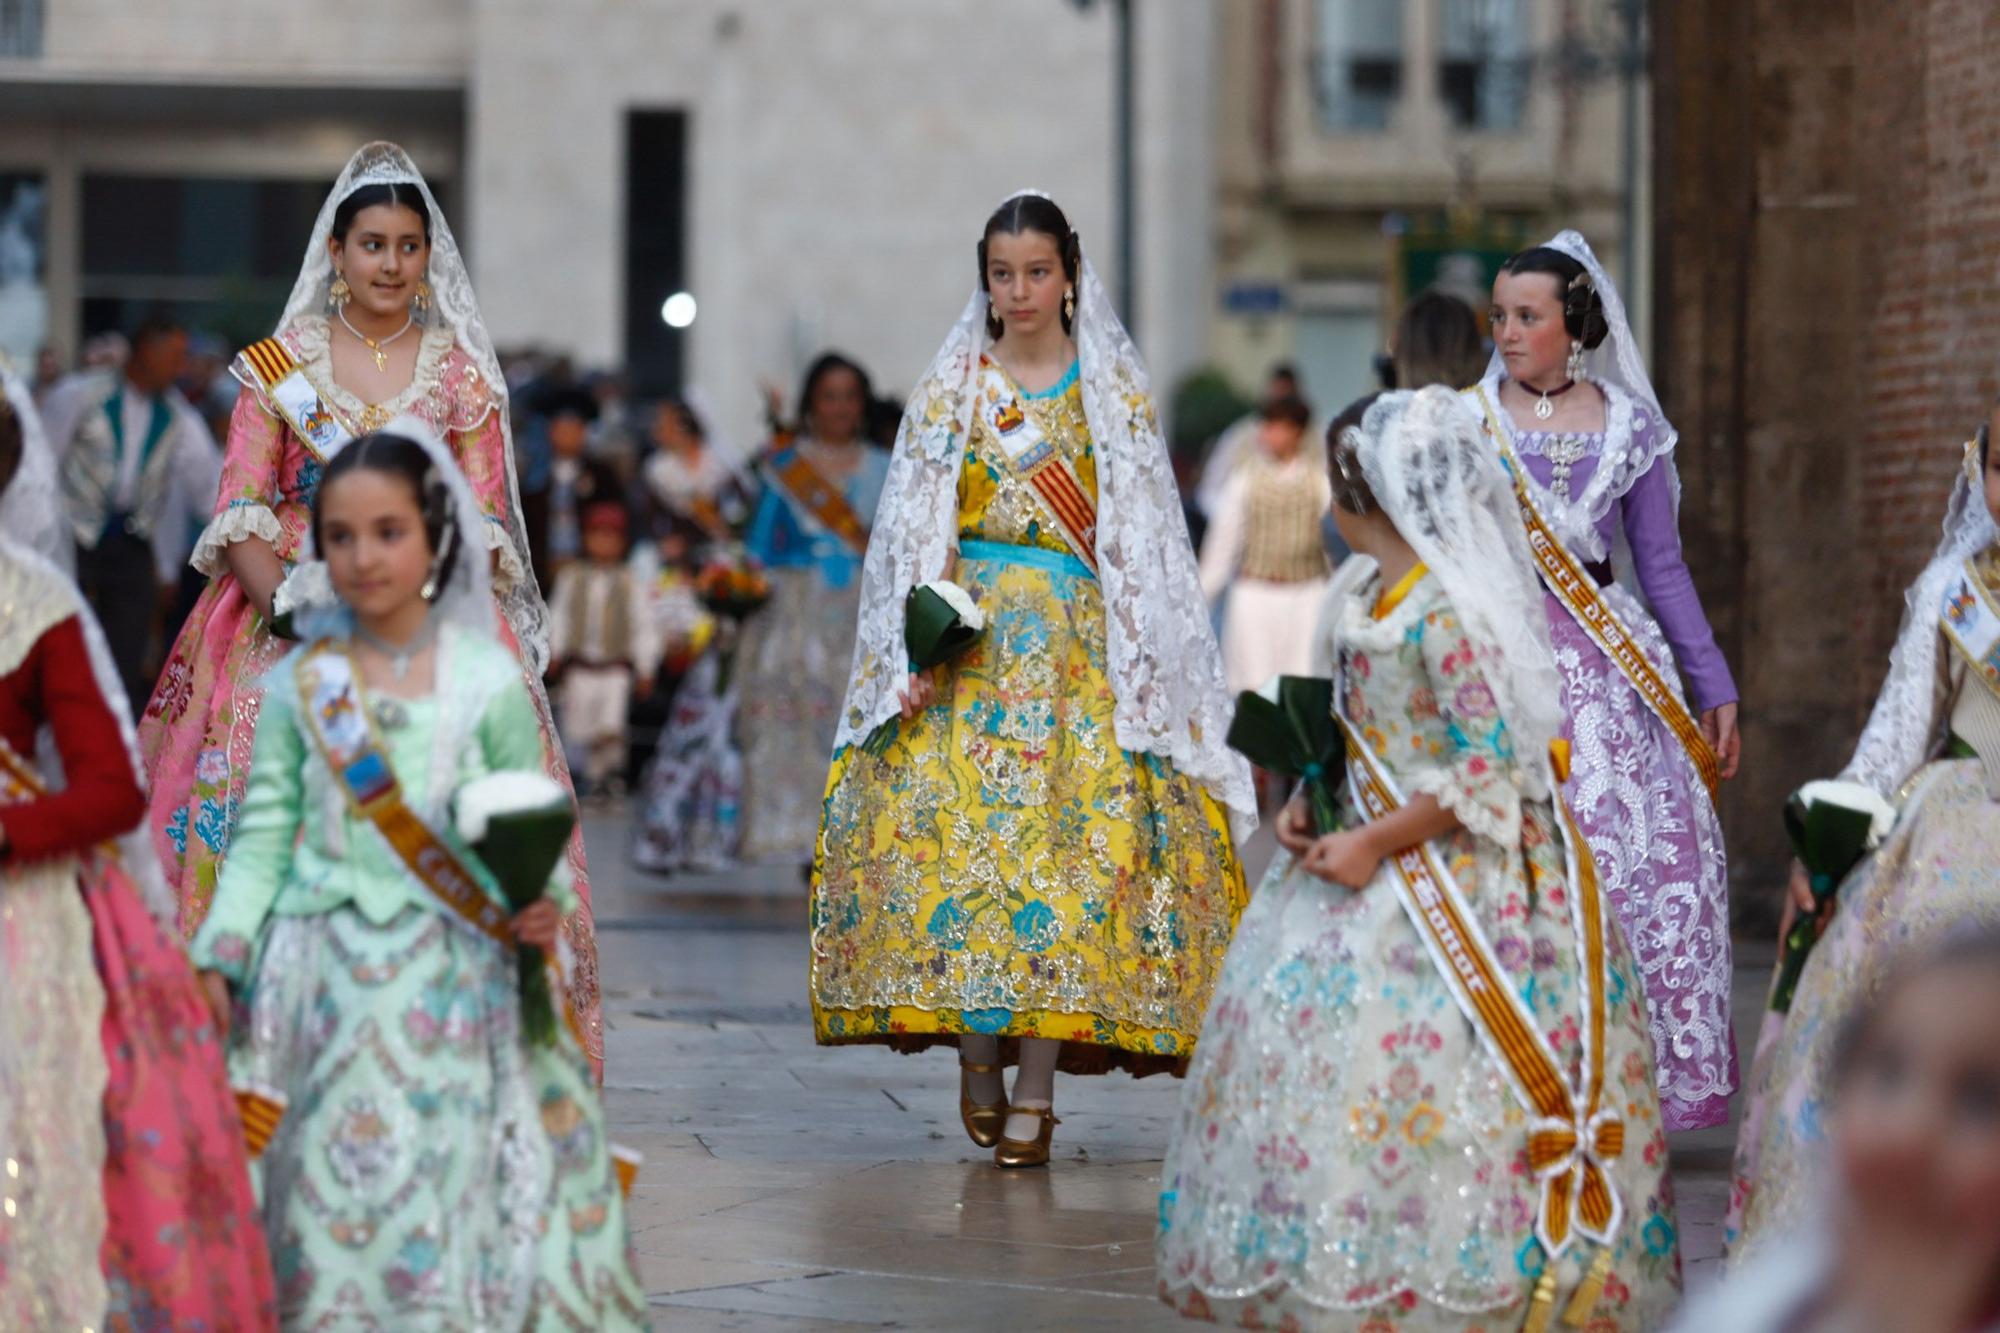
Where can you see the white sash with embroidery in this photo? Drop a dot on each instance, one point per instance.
(288, 389)
(1972, 623)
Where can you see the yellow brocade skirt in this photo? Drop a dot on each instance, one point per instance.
(1004, 868)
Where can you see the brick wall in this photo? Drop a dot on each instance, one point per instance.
(1932, 116)
(1828, 332)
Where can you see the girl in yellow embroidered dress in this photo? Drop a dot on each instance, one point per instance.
(1004, 867)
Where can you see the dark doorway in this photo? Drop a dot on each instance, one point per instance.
(655, 249)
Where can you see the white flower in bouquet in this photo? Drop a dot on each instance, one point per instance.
(513, 792)
(961, 603)
(1853, 796)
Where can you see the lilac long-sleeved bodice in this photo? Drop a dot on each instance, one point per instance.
(1652, 531)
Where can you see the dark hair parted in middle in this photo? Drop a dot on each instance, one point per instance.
(1343, 458)
(403, 458)
(1288, 408)
(1582, 307)
(368, 196)
(826, 363)
(1031, 212)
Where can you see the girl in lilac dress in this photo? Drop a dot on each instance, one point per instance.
(1583, 428)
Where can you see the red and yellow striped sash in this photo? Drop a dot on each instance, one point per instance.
(1572, 1137)
(1035, 459)
(296, 398)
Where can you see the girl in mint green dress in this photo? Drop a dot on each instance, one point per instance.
(433, 1170)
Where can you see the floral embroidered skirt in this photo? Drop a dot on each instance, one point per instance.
(1938, 871)
(692, 791)
(195, 737)
(431, 1172)
(1004, 868)
(1348, 1155)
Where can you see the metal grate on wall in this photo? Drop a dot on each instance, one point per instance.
(20, 28)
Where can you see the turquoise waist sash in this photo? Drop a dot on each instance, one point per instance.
(1036, 557)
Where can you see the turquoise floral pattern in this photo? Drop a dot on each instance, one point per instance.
(1347, 1153)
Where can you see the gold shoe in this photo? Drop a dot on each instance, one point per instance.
(1014, 1152)
(982, 1123)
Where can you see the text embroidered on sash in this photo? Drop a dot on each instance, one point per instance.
(332, 707)
(1572, 1138)
(1579, 594)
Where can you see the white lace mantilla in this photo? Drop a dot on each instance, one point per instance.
(1904, 724)
(1427, 460)
(454, 308)
(1617, 368)
(1161, 654)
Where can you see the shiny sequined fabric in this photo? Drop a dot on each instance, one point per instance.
(1004, 867)
(1936, 873)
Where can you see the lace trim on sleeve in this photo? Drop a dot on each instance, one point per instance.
(512, 573)
(242, 520)
(1487, 805)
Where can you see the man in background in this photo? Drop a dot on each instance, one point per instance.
(132, 458)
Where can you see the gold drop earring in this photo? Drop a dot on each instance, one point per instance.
(1069, 305)
(1575, 368)
(339, 293)
(421, 302)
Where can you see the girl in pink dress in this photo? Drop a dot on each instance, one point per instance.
(381, 322)
(128, 1201)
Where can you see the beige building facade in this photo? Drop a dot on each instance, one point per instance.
(813, 174)
(1346, 129)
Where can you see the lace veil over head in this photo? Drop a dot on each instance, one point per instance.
(1161, 654)
(465, 599)
(453, 303)
(1904, 723)
(31, 508)
(1426, 458)
(1617, 368)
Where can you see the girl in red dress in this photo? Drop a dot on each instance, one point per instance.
(127, 1195)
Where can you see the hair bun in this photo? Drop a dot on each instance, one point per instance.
(1583, 312)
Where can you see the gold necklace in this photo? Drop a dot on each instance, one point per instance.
(374, 346)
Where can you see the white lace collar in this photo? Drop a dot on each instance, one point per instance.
(313, 334)
(1621, 461)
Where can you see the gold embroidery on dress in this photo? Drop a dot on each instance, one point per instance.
(1006, 867)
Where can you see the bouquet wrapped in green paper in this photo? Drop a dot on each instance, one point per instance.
(940, 621)
(519, 822)
(1288, 728)
(1832, 825)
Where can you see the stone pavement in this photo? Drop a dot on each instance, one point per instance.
(805, 1190)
